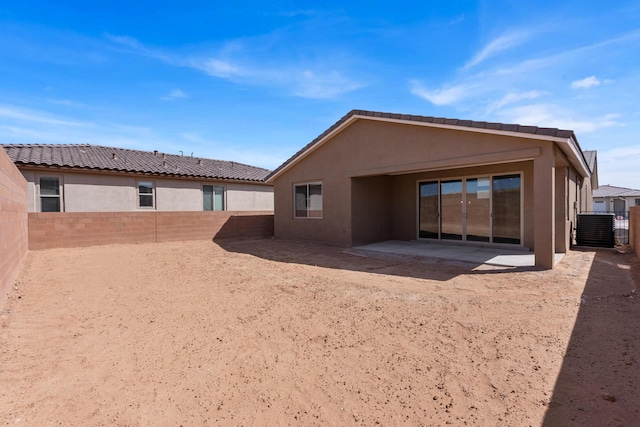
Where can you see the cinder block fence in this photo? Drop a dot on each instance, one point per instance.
(77, 229)
(13, 221)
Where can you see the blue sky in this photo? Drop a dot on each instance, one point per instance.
(255, 81)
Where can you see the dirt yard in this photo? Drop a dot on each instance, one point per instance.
(266, 332)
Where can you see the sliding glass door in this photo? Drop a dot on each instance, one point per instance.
(479, 209)
(451, 206)
(429, 218)
(506, 209)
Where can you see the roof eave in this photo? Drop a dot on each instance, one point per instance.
(572, 148)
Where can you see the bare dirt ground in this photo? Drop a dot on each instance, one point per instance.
(268, 332)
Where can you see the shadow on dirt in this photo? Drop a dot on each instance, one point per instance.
(599, 380)
(322, 255)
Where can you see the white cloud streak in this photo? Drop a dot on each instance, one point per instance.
(444, 96)
(497, 46)
(315, 81)
(549, 115)
(514, 97)
(23, 114)
(586, 83)
(175, 94)
(27, 126)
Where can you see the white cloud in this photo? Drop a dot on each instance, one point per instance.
(218, 68)
(445, 96)
(67, 103)
(514, 97)
(549, 115)
(323, 85)
(315, 81)
(498, 45)
(20, 125)
(586, 83)
(615, 166)
(175, 94)
(23, 114)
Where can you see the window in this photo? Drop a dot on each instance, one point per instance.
(308, 200)
(637, 202)
(212, 198)
(49, 194)
(145, 194)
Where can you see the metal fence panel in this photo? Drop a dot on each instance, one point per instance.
(620, 234)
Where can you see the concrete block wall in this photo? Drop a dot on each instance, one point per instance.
(78, 229)
(13, 221)
(634, 229)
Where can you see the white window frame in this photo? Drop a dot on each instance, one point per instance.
(58, 196)
(307, 184)
(224, 197)
(153, 194)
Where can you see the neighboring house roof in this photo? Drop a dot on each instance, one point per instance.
(100, 158)
(591, 157)
(613, 191)
(572, 147)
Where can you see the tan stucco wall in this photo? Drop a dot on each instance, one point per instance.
(372, 208)
(246, 197)
(398, 155)
(92, 192)
(378, 148)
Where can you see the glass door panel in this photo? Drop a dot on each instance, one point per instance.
(506, 209)
(428, 210)
(478, 218)
(451, 209)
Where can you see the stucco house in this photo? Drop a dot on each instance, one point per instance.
(609, 198)
(92, 178)
(378, 176)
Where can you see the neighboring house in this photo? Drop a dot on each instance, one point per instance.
(377, 176)
(92, 178)
(608, 198)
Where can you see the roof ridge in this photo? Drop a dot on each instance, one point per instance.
(100, 157)
(443, 120)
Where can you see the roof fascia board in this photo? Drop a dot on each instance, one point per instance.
(355, 117)
(315, 146)
(468, 129)
(575, 155)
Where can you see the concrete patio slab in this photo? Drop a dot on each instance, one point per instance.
(502, 257)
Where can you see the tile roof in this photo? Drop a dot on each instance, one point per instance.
(492, 126)
(96, 157)
(613, 191)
